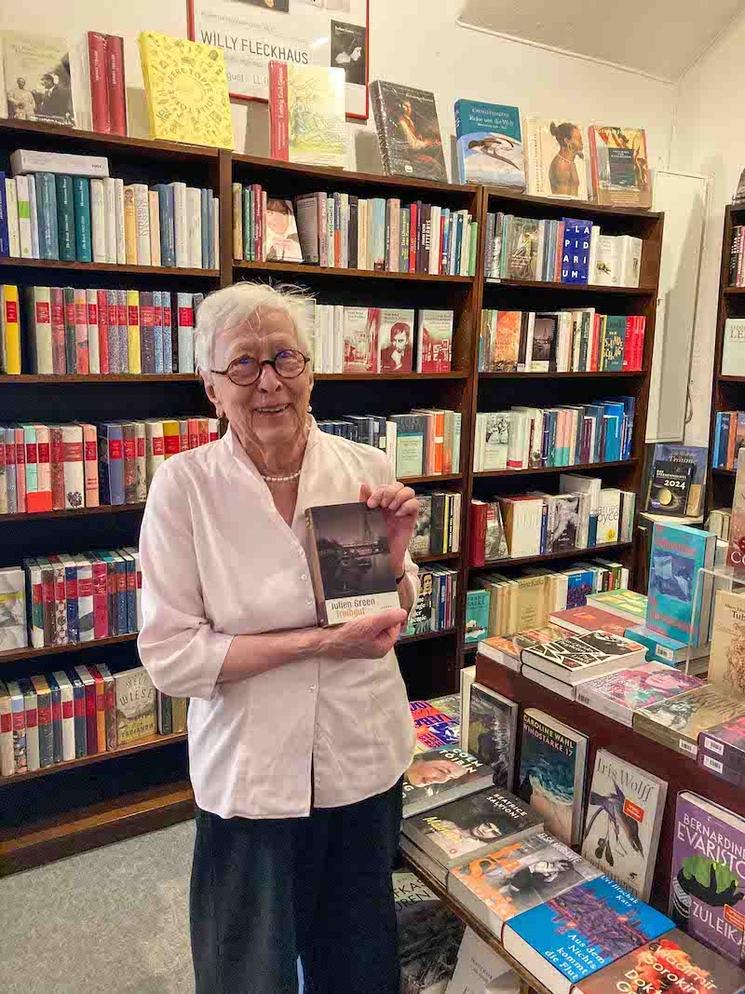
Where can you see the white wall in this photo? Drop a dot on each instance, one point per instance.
(416, 42)
(708, 138)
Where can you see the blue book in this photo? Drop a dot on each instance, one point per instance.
(592, 531)
(81, 199)
(717, 440)
(56, 692)
(206, 227)
(78, 701)
(4, 239)
(673, 607)
(158, 330)
(575, 252)
(167, 233)
(111, 462)
(578, 932)
(71, 584)
(489, 144)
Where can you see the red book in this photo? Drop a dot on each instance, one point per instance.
(641, 329)
(9, 447)
(477, 533)
(193, 432)
(414, 211)
(59, 364)
(593, 364)
(279, 125)
(100, 708)
(115, 84)
(91, 728)
(204, 431)
(81, 332)
(629, 344)
(100, 599)
(581, 620)
(103, 330)
(100, 115)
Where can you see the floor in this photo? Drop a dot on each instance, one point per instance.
(113, 920)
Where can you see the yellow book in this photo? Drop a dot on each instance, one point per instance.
(130, 226)
(10, 330)
(133, 331)
(171, 438)
(186, 85)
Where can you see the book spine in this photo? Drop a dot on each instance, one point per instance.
(147, 331)
(278, 111)
(101, 118)
(109, 219)
(185, 323)
(94, 358)
(23, 201)
(142, 224)
(116, 85)
(121, 238)
(11, 214)
(4, 240)
(180, 225)
(81, 332)
(133, 332)
(81, 201)
(98, 220)
(90, 465)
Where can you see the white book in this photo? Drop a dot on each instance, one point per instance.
(494, 440)
(11, 204)
(7, 761)
(80, 85)
(121, 244)
(32, 727)
(142, 223)
(34, 219)
(194, 226)
(609, 513)
(98, 220)
(391, 433)
(433, 264)
(154, 451)
(180, 225)
(215, 205)
(185, 332)
(733, 347)
(25, 160)
(109, 218)
(94, 360)
(40, 304)
(238, 219)
(524, 530)
(630, 253)
(154, 222)
(68, 714)
(85, 598)
(607, 264)
(467, 678)
(593, 254)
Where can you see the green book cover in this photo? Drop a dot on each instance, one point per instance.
(65, 218)
(81, 199)
(613, 343)
(409, 444)
(477, 615)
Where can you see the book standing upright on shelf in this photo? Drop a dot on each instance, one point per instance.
(489, 144)
(408, 131)
(306, 113)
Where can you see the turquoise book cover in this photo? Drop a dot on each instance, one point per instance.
(489, 144)
(678, 553)
(477, 615)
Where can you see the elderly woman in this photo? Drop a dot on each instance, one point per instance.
(298, 735)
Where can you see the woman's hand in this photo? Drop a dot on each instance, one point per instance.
(366, 638)
(400, 508)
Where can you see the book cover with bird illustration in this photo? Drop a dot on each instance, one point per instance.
(489, 144)
(622, 826)
(707, 875)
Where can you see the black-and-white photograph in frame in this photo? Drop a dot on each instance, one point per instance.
(332, 33)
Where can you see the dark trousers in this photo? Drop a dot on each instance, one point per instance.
(264, 892)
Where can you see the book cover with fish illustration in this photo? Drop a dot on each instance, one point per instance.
(707, 875)
(551, 774)
(580, 931)
(622, 826)
(517, 877)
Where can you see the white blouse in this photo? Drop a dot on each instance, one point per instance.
(218, 560)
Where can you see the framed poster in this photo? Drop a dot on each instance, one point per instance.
(316, 32)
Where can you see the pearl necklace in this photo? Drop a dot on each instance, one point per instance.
(281, 479)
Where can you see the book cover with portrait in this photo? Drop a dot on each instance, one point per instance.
(37, 78)
(281, 241)
(350, 562)
(408, 131)
(557, 158)
(442, 775)
(395, 340)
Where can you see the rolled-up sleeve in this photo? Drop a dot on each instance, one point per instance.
(177, 644)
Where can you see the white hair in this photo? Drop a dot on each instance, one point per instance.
(233, 305)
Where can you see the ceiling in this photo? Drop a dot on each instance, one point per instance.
(661, 38)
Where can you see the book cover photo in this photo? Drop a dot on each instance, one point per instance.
(622, 693)
(36, 68)
(622, 825)
(489, 144)
(669, 487)
(556, 158)
(281, 241)
(442, 775)
(434, 341)
(395, 340)
(578, 657)
(492, 732)
(350, 562)
(408, 131)
(620, 166)
(361, 329)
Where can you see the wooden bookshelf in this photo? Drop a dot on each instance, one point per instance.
(727, 393)
(595, 550)
(109, 796)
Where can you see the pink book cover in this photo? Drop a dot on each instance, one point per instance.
(736, 550)
(589, 619)
(81, 332)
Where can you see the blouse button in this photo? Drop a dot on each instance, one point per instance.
(303, 576)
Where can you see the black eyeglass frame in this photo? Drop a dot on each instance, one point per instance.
(260, 365)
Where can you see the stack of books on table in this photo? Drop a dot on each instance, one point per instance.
(437, 722)
(67, 208)
(560, 341)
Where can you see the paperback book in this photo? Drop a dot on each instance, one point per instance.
(677, 722)
(395, 340)
(350, 562)
(727, 658)
(556, 158)
(489, 144)
(477, 615)
(281, 242)
(622, 826)
(725, 746)
(669, 487)
(620, 166)
(551, 774)
(678, 553)
(442, 775)
(434, 341)
(696, 456)
(626, 604)
(136, 712)
(408, 131)
(580, 657)
(583, 620)
(507, 651)
(618, 695)
(36, 68)
(577, 933)
(307, 114)
(491, 732)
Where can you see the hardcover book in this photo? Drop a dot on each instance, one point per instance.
(727, 658)
(669, 487)
(396, 340)
(677, 722)
(281, 241)
(477, 615)
(489, 144)
(622, 827)
(696, 456)
(551, 774)
(707, 875)
(627, 604)
(36, 68)
(136, 709)
(556, 158)
(505, 341)
(580, 657)
(672, 964)
(583, 620)
(678, 553)
(442, 775)
(577, 933)
(13, 629)
(186, 86)
(434, 341)
(733, 348)
(618, 695)
(408, 131)
(520, 253)
(307, 114)
(350, 562)
(361, 326)
(517, 877)
(491, 733)
(620, 166)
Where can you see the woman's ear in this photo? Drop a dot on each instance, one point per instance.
(209, 389)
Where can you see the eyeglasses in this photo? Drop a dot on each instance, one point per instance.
(289, 364)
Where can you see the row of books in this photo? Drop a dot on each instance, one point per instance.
(353, 339)
(344, 231)
(567, 251)
(70, 598)
(68, 467)
(737, 253)
(719, 522)
(90, 331)
(729, 437)
(531, 438)
(560, 341)
(424, 442)
(47, 215)
(434, 610)
(584, 514)
(437, 527)
(69, 714)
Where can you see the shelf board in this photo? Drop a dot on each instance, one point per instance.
(83, 512)
(442, 478)
(406, 639)
(731, 379)
(16, 655)
(734, 291)
(496, 473)
(453, 374)
(144, 745)
(84, 828)
(107, 267)
(304, 269)
(548, 557)
(724, 472)
(632, 291)
(52, 378)
(437, 557)
(564, 204)
(605, 374)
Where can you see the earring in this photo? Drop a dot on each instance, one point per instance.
(310, 409)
